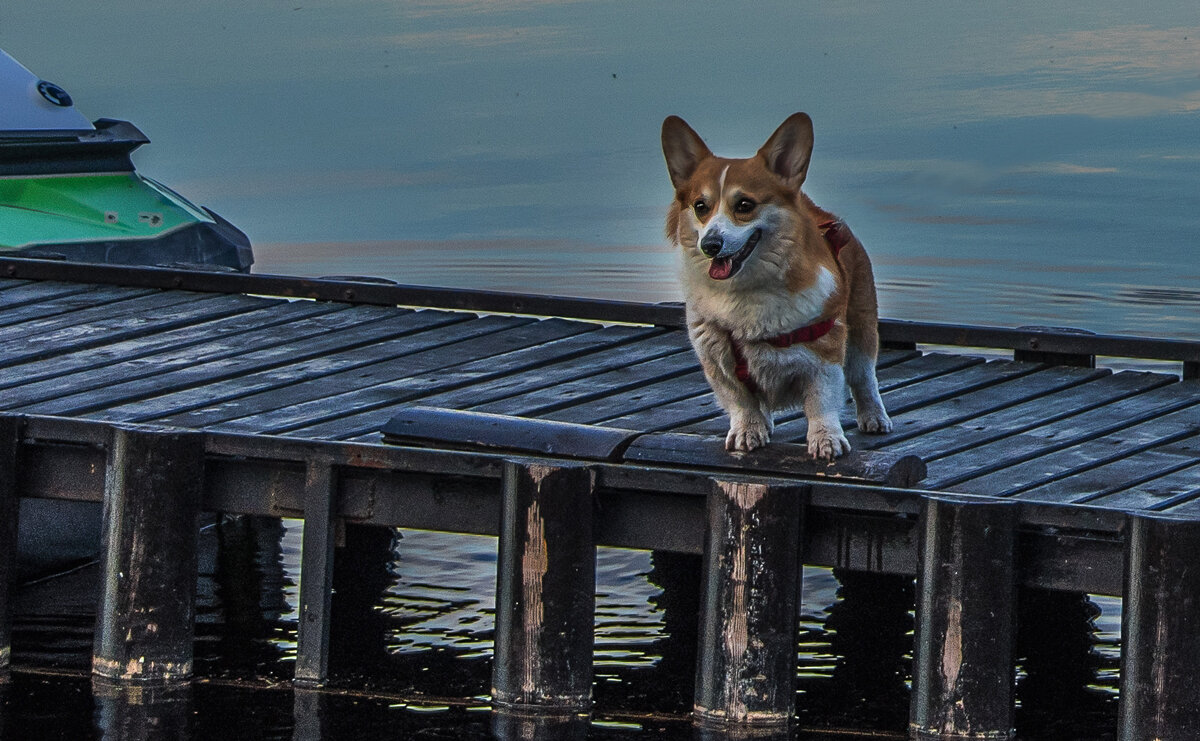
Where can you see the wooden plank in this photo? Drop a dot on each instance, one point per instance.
(892, 331)
(969, 406)
(34, 292)
(457, 429)
(1173, 483)
(603, 310)
(264, 328)
(190, 367)
(370, 420)
(7, 283)
(70, 303)
(388, 362)
(925, 392)
(56, 326)
(1028, 415)
(1108, 463)
(955, 383)
(402, 390)
(683, 417)
(699, 451)
(109, 331)
(699, 413)
(617, 381)
(793, 425)
(1061, 433)
(623, 405)
(1186, 502)
(133, 350)
(1029, 459)
(553, 374)
(675, 415)
(354, 349)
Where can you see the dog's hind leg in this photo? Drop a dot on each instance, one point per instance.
(861, 353)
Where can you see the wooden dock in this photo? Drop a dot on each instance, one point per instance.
(1017, 459)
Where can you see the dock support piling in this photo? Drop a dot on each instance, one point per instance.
(965, 621)
(545, 591)
(10, 432)
(746, 669)
(1160, 630)
(145, 619)
(316, 574)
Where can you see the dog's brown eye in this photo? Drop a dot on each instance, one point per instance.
(744, 206)
(700, 207)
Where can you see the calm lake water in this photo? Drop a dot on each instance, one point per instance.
(1032, 164)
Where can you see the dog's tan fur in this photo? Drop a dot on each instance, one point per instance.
(784, 276)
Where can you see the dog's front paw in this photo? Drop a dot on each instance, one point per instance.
(874, 420)
(747, 435)
(827, 443)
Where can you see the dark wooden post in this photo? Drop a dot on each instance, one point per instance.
(143, 712)
(966, 621)
(10, 431)
(316, 574)
(746, 669)
(145, 619)
(545, 590)
(1160, 630)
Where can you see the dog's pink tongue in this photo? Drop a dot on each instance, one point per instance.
(720, 268)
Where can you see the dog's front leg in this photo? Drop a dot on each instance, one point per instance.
(823, 401)
(750, 425)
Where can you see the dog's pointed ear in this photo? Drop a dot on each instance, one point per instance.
(788, 151)
(683, 149)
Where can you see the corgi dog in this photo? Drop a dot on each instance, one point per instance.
(779, 294)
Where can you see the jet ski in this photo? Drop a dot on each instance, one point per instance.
(69, 190)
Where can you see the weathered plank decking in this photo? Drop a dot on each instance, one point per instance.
(322, 370)
(1065, 458)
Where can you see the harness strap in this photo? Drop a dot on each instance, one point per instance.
(837, 235)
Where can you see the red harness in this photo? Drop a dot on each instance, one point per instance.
(837, 235)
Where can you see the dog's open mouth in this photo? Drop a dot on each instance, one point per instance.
(722, 268)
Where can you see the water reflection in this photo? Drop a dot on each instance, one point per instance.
(245, 625)
(143, 712)
(1066, 680)
(868, 632)
(514, 726)
(411, 650)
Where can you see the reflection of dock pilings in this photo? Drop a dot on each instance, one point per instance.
(249, 587)
(869, 631)
(678, 575)
(361, 575)
(1058, 664)
(127, 711)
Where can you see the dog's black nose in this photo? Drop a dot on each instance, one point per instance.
(711, 244)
